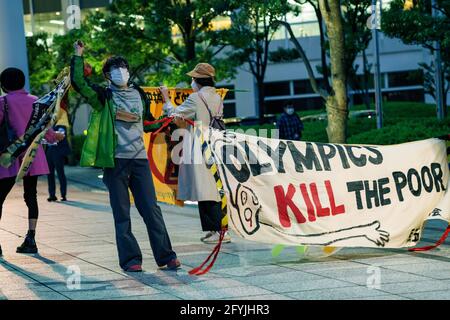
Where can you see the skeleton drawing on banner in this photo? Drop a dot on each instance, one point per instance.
(249, 211)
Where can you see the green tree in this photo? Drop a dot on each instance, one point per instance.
(336, 97)
(357, 39)
(429, 83)
(168, 37)
(413, 23)
(41, 63)
(253, 26)
(324, 47)
(336, 102)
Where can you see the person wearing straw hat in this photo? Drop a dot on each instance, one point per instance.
(195, 181)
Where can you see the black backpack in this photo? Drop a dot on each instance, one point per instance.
(216, 122)
(7, 134)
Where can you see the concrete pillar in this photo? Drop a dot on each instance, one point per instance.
(13, 47)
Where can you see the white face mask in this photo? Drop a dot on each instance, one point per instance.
(194, 86)
(290, 111)
(120, 77)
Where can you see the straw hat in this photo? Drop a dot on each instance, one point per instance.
(202, 70)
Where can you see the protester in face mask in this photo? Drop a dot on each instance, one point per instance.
(195, 181)
(115, 143)
(16, 108)
(289, 124)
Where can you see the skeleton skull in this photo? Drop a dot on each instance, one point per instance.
(248, 207)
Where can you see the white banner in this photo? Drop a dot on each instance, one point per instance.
(304, 193)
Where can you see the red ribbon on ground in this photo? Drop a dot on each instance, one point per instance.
(437, 244)
(198, 270)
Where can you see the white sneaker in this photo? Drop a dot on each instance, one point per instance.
(214, 238)
(207, 235)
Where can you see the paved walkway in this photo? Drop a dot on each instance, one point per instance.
(78, 238)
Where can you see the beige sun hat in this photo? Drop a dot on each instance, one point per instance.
(202, 70)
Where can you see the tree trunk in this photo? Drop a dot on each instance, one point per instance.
(190, 49)
(260, 95)
(189, 39)
(336, 104)
(445, 99)
(444, 90)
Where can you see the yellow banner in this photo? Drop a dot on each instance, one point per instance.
(159, 146)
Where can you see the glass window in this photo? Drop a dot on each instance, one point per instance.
(405, 78)
(85, 4)
(306, 29)
(230, 94)
(313, 103)
(51, 23)
(405, 95)
(277, 106)
(40, 6)
(304, 86)
(273, 89)
(229, 110)
(361, 84)
(46, 6)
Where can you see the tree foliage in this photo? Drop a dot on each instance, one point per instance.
(253, 26)
(413, 23)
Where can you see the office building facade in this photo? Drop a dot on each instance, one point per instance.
(402, 77)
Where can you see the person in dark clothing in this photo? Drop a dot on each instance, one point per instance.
(56, 158)
(16, 108)
(289, 124)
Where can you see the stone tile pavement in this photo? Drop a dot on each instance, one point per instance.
(77, 237)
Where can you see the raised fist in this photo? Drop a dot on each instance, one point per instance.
(79, 48)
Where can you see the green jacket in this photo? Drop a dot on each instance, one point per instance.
(100, 145)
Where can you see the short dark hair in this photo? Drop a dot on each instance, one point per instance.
(12, 79)
(205, 82)
(289, 103)
(115, 62)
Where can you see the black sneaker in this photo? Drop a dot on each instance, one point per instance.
(1, 253)
(52, 199)
(63, 199)
(28, 246)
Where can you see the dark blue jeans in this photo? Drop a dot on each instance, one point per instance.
(56, 161)
(29, 194)
(135, 174)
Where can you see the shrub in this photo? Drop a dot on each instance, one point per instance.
(403, 122)
(403, 131)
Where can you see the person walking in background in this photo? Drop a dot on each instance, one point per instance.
(16, 108)
(289, 124)
(56, 158)
(195, 181)
(115, 143)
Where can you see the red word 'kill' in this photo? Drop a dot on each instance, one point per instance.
(314, 207)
